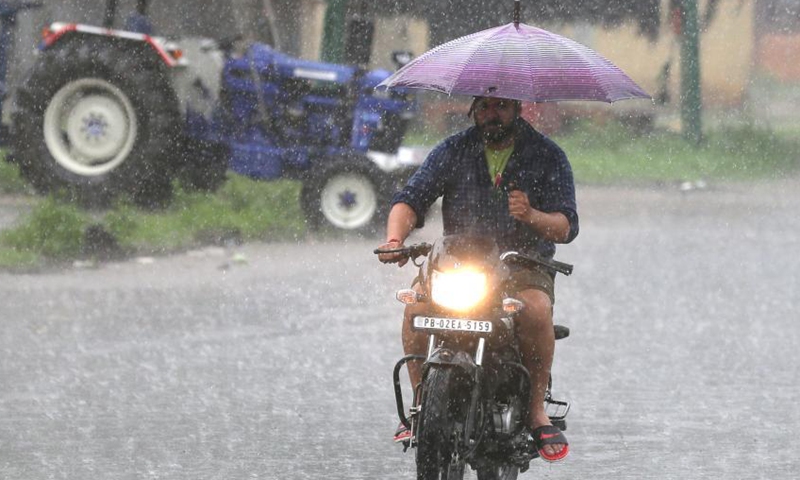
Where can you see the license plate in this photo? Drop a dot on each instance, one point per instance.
(453, 324)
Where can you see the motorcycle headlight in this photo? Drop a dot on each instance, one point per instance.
(458, 289)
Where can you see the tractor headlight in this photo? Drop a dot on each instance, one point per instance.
(458, 289)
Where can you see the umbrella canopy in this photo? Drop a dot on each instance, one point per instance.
(519, 62)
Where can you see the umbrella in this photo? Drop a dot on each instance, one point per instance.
(519, 62)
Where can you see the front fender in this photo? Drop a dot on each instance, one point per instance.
(167, 51)
(449, 358)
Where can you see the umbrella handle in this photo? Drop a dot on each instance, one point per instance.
(516, 12)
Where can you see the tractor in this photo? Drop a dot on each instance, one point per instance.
(104, 112)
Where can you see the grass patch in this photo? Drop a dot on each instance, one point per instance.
(242, 210)
(53, 229)
(10, 180)
(611, 153)
(12, 259)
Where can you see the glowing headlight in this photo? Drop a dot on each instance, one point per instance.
(459, 289)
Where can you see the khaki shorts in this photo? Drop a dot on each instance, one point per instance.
(533, 278)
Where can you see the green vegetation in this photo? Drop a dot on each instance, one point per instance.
(242, 210)
(10, 179)
(611, 153)
(54, 230)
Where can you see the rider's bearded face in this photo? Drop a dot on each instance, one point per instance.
(495, 117)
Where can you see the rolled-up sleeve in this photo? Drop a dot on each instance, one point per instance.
(427, 184)
(559, 192)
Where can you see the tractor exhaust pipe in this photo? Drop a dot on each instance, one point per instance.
(111, 13)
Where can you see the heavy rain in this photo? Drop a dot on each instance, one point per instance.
(192, 193)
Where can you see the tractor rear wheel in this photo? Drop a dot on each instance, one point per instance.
(97, 118)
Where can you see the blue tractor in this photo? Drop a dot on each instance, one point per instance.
(104, 112)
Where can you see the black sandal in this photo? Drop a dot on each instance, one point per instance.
(550, 435)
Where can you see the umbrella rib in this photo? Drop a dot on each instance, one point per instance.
(531, 77)
(587, 59)
(470, 58)
(460, 69)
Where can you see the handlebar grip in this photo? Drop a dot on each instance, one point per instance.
(412, 251)
(378, 251)
(561, 267)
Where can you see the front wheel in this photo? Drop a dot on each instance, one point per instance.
(437, 453)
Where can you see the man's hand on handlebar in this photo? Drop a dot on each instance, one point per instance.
(394, 257)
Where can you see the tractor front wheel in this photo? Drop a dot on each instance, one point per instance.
(346, 195)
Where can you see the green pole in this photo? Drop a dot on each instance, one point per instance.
(333, 34)
(691, 103)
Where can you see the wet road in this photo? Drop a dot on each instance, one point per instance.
(682, 363)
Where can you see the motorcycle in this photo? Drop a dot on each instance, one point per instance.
(471, 405)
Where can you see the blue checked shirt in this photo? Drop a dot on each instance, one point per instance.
(456, 170)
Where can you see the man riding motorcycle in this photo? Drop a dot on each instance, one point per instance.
(502, 179)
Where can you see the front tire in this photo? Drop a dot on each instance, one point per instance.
(97, 118)
(436, 443)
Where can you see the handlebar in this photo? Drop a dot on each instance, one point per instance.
(529, 260)
(421, 249)
(412, 251)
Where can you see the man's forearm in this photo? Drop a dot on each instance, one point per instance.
(553, 227)
(402, 220)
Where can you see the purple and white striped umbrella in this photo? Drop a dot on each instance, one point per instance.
(520, 62)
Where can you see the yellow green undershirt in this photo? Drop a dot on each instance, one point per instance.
(497, 160)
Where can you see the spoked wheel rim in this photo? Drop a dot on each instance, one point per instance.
(90, 127)
(349, 200)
